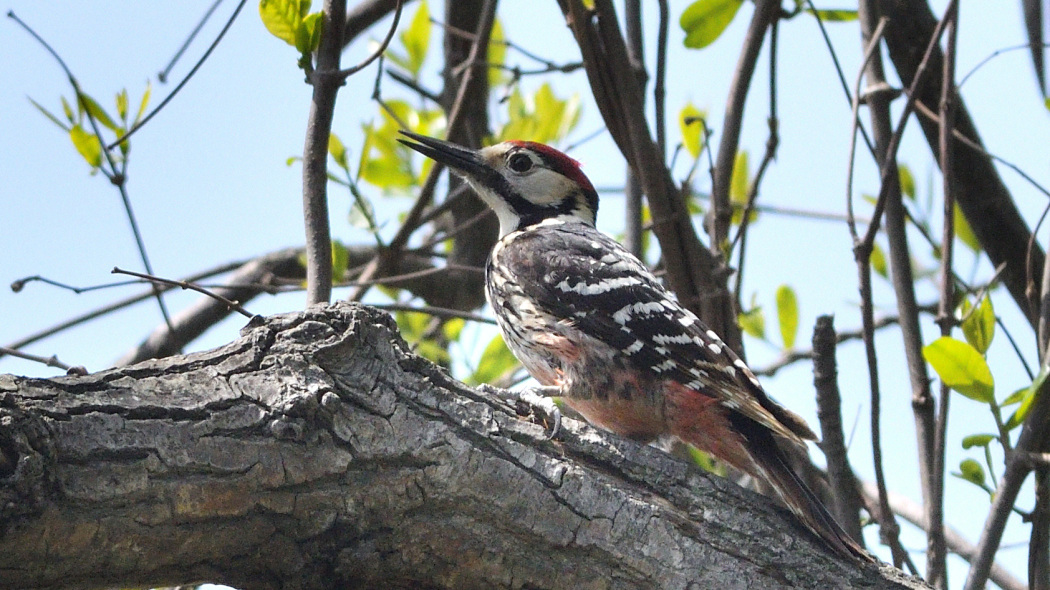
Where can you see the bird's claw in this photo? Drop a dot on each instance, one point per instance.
(538, 399)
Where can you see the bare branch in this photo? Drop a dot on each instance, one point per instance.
(1017, 468)
(982, 197)
(326, 80)
(936, 554)
(184, 81)
(51, 361)
(846, 503)
(913, 513)
(117, 175)
(378, 50)
(365, 14)
(720, 216)
(691, 270)
(878, 104)
(232, 305)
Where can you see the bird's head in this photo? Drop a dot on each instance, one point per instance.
(522, 181)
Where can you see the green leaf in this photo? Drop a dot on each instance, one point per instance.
(416, 39)
(68, 110)
(739, 187)
(961, 368)
(1046, 103)
(122, 104)
(98, 113)
(432, 351)
(706, 461)
(556, 117)
(496, 360)
(971, 471)
(338, 151)
(340, 260)
(1015, 397)
(787, 314)
(878, 261)
(387, 173)
(964, 232)
(144, 102)
(283, 18)
(979, 325)
(308, 35)
(87, 144)
(453, 328)
(907, 181)
(753, 322)
(50, 116)
(834, 16)
(978, 440)
(541, 117)
(497, 54)
(690, 121)
(1028, 399)
(704, 21)
(359, 218)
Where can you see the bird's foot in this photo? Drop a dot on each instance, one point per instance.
(537, 399)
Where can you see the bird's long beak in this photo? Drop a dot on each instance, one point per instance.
(463, 160)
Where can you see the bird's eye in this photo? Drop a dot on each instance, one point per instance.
(520, 162)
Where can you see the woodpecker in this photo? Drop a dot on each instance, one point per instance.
(591, 323)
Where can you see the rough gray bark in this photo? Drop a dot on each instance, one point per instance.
(318, 452)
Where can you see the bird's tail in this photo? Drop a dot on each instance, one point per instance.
(773, 462)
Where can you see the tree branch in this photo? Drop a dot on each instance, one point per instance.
(846, 503)
(317, 452)
(691, 270)
(326, 81)
(766, 11)
(915, 514)
(982, 197)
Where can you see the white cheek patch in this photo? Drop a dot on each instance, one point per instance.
(545, 187)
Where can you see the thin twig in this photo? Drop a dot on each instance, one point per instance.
(117, 177)
(838, 70)
(51, 361)
(20, 284)
(792, 356)
(855, 125)
(112, 307)
(233, 305)
(379, 50)
(936, 556)
(913, 513)
(163, 74)
(992, 56)
(772, 142)
(659, 92)
(720, 216)
(889, 530)
(438, 312)
(926, 113)
(413, 85)
(189, 75)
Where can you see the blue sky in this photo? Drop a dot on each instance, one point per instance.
(209, 183)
